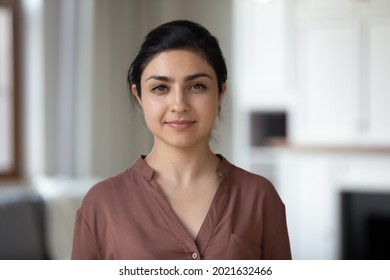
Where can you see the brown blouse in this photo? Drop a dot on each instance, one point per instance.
(128, 217)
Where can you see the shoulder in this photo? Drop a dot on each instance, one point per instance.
(249, 177)
(252, 185)
(106, 192)
(128, 178)
(108, 185)
(248, 180)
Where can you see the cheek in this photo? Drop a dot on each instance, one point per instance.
(210, 106)
(152, 111)
(152, 120)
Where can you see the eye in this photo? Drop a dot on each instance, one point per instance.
(159, 89)
(197, 87)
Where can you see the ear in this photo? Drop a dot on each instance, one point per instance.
(135, 92)
(222, 94)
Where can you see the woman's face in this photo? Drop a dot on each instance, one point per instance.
(180, 98)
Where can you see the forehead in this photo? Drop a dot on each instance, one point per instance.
(177, 63)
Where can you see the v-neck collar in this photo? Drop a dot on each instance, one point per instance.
(212, 217)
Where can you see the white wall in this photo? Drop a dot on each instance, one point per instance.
(118, 133)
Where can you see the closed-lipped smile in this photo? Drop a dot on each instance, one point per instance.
(180, 124)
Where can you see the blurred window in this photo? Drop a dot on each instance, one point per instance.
(8, 89)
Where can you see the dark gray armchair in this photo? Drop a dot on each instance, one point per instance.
(22, 227)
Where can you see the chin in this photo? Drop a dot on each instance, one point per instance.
(186, 143)
(182, 144)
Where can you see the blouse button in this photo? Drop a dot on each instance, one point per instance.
(194, 256)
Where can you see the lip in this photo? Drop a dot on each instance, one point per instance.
(180, 124)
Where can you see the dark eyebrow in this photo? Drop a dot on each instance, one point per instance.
(159, 78)
(197, 75)
(187, 78)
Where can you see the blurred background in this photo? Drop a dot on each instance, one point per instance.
(308, 107)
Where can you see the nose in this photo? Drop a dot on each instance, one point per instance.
(179, 102)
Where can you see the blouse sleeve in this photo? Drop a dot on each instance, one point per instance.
(280, 248)
(84, 244)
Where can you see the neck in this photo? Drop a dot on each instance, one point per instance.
(182, 166)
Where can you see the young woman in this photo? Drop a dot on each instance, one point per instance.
(181, 201)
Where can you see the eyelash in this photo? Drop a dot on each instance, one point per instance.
(159, 89)
(195, 87)
(199, 86)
